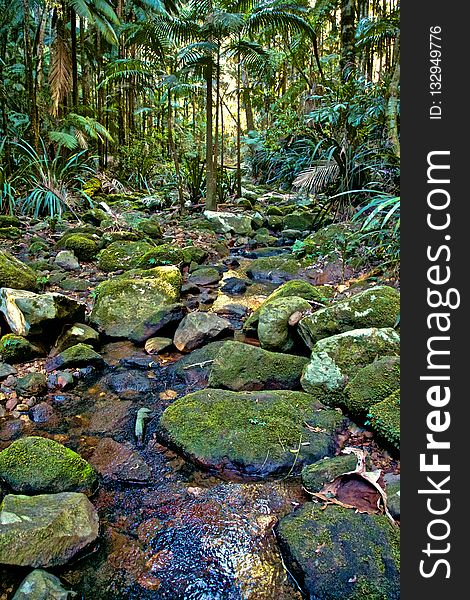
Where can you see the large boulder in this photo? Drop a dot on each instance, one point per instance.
(277, 269)
(337, 359)
(254, 433)
(122, 255)
(80, 355)
(41, 585)
(226, 222)
(376, 307)
(318, 295)
(45, 530)
(337, 554)
(15, 274)
(28, 313)
(36, 465)
(138, 308)
(240, 366)
(197, 328)
(78, 333)
(17, 349)
(372, 384)
(274, 332)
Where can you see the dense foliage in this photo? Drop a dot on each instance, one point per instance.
(183, 98)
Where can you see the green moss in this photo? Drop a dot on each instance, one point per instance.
(15, 274)
(286, 264)
(17, 349)
(257, 433)
(274, 210)
(315, 476)
(35, 465)
(38, 246)
(300, 221)
(384, 419)
(295, 287)
(274, 332)
(78, 355)
(376, 307)
(10, 233)
(9, 221)
(240, 366)
(161, 255)
(372, 384)
(194, 254)
(342, 555)
(355, 349)
(151, 228)
(122, 255)
(120, 312)
(94, 216)
(80, 244)
(118, 236)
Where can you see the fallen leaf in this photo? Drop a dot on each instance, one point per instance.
(168, 395)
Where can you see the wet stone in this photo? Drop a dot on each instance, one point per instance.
(6, 370)
(119, 462)
(41, 413)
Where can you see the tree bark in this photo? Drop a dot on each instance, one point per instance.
(392, 104)
(348, 30)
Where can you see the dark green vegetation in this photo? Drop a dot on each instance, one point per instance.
(172, 101)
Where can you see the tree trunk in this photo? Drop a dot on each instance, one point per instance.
(250, 121)
(29, 76)
(73, 38)
(348, 30)
(211, 175)
(392, 104)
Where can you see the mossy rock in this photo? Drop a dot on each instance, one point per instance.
(275, 268)
(337, 359)
(17, 349)
(240, 366)
(159, 256)
(315, 476)
(205, 276)
(9, 221)
(80, 355)
(38, 246)
(264, 238)
(252, 433)
(138, 308)
(299, 220)
(78, 333)
(295, 287)
(375, 307)
(15, 274)
(10, 233)
(151, 228)
(36, 465)
(194, 254)
(83, 246)
(384, 419)
(40, 585)
(94, 216)
(274, 210)
(31, 384)
(119, 236)
(337, 554)
(274, 332)
(45, 530)
(275, 222)
(123, 255)
(372, 384)
(334, 237)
